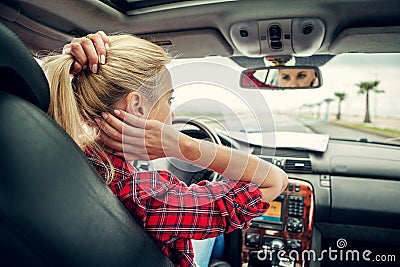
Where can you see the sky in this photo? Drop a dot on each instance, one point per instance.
(219, 78)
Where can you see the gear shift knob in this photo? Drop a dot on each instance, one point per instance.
(277, 244)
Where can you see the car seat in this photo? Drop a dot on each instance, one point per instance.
(55, 210)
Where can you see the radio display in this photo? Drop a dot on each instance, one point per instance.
(273, 214)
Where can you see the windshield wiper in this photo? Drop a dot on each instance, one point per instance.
(365, 140)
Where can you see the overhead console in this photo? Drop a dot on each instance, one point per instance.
(279, 236)
(298, 36)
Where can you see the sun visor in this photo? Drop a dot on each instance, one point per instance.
(194, 43)
(31, 32)
(367, 40)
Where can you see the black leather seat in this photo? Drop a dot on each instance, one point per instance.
(54, 208)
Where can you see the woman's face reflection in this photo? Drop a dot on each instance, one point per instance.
(297, 77)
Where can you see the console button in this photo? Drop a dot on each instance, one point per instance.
(277, 45)
(297, 188)
(294, 225)
(290, 187)
(252, 240)
(244, 33)
(275, 32)
(293, 244)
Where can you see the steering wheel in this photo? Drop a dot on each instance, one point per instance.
(188, 172)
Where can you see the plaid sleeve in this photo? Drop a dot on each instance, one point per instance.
(200, 211)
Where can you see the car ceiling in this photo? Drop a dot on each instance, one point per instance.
(203, 28)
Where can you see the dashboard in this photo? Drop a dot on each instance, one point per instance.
(350, 192)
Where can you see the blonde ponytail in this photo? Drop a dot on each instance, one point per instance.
(63, 105)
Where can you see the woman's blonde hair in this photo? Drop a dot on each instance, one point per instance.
(132, 64)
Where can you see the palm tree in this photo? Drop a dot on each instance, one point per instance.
(318, 109)
(327, 101)
(308, 111)
(341, 97)
(364, 88)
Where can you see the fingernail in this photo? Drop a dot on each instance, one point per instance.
(117, 112)
(67, 50)
(103, 59)
(104, 115)
(94, 68)
(107, 46)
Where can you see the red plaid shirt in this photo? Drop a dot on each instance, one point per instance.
(174, 213)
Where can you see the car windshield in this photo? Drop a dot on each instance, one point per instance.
(358, 99)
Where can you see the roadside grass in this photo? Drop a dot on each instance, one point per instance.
(368, 128)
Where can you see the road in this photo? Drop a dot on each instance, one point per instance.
(251, 123)
(289, 122)
(347, 133)
(334, 131)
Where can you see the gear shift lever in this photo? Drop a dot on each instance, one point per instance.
(276, 246)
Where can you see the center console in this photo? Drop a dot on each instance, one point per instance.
(279, 236)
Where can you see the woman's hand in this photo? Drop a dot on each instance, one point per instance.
(88, 51)
(138, 139)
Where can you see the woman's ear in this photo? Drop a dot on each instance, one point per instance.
(135, 104)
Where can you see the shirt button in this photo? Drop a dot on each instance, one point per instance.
(236, 205)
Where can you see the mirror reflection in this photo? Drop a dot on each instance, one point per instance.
(283, 77)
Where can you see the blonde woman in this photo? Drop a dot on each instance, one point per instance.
(135, 85)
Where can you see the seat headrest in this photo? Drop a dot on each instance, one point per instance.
(20, 74)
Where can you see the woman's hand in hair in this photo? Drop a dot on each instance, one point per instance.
(136, 138)
(88, 51)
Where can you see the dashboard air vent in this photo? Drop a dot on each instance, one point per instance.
(294, 165)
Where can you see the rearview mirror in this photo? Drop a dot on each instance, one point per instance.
(282, 77)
